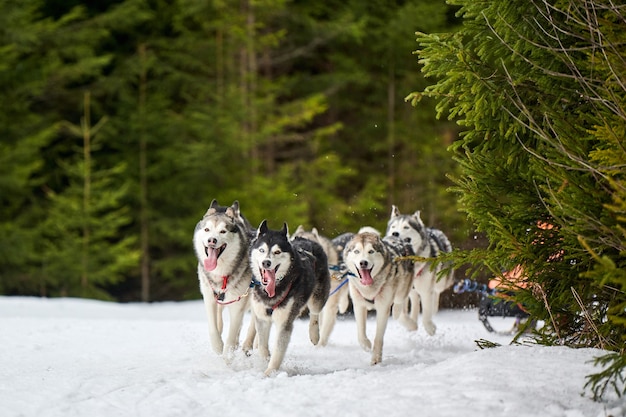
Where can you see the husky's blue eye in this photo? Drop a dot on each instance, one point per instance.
(262, 250)
(357, 251)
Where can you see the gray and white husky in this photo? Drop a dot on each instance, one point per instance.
(338, 300)
(378, 282)
(427, 282)
(292, 275)
(221, 241)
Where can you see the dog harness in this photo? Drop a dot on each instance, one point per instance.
(373, 299)
(420, 271)
(219, 297)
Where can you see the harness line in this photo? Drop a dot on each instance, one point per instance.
(344, 282)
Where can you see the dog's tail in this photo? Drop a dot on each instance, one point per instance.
(442, 241)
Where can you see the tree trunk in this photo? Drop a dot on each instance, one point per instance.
(86, 129)
(391, 135)
(143, 180)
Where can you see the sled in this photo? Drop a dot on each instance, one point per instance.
(496, 311)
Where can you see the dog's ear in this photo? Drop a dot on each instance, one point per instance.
(285, 230)
(233, 211)
(417, 218)
(262, 228)
(299, 230)
(348, 246)
(316, 234)
(235, 207)
(394, 211)
(212, 208)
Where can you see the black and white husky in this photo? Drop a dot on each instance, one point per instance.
(293, 275)
(427, 282)
(221, 241)
(377, 282)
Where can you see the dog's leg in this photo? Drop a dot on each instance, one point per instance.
(236, 311)
(220, 319)
(440, 286)
(314, 327)
(249, 341)
(404, 318)
(382, 317)
(344, 300)
(328, 318)
(212, 311)
(414, 297)
(427, 311)
(360, 316)
(436, 302)
(263, 328)
(282, 341)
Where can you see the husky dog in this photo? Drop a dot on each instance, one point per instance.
(377, 282)
(292, 275)
(221, 241)
(338, 300)
(427, 283)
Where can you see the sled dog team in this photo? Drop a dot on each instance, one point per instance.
(277, 276)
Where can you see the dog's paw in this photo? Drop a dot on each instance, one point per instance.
(315, 338)
(228, 355)
(376, 359)
(270, 372)
(366, 344)
(430, 328)
(409, 324)
(218, 347)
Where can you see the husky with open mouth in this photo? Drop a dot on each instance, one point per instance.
(292, 275)
(221, 241)
(377, 282)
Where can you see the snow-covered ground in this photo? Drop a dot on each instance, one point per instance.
(69, 357)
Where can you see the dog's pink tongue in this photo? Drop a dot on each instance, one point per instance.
(269, 280)
(366, 277)
(210, 263)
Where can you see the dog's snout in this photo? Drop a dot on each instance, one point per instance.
(363, 264)
(395, 234)
(213, 240)
(266, 264)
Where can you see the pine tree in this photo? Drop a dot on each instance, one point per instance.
(537, 87)
(38, 61)
(83, 250)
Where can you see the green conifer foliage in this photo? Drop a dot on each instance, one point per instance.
(539, 88)
(83, 247)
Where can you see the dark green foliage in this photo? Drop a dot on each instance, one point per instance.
(538, 88)
(293, 108)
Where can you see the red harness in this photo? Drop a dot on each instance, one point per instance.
(219, 298)
(420, 271)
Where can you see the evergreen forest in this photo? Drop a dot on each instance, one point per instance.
(122, 120)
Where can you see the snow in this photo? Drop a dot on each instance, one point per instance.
(73, 357)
